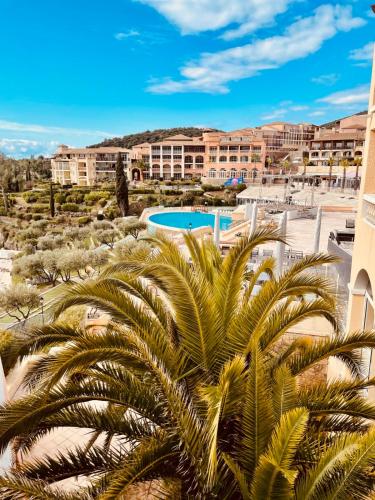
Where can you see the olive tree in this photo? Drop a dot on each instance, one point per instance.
(131, 226)
(107, 237)
(51, 242)
(41, 266)
(18, 301)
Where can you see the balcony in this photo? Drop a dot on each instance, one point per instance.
(369, 208)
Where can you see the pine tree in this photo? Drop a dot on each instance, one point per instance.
(122, 193)
(51, 200)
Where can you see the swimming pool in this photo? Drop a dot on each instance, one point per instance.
(189, 220)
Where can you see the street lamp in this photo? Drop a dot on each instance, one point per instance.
(42, 306)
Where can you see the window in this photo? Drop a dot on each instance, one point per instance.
(177, 167)
(212, 159)
(222, 173)
(233, 148)
(188, 159)
(199, 159)
(244, 173)
(244, 148)
(223, 148)
(244, 159)
(213, 149)
(233, 172)
(233, 158)
(212, 173)
(257, 149)
(223, 159)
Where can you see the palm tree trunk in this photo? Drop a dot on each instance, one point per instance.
(343, 180)
(330, 178)
(356, 183)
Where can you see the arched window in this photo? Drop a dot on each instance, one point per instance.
(188, 159)
(222, 173)
(199, 159)
(177, 167)
(233, 158)
(244, 159)
(212, 173)
(244, 173)
(358, 153)
(223, 159)
(233, 172)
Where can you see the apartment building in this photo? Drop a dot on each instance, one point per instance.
(338, 141)
(85, 166)
(213, 156)
(362, 285)
(176, 157)
(281, 137)
(233, 155)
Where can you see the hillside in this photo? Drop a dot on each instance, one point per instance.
(128, 141)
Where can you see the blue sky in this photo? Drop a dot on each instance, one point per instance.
(76, 71)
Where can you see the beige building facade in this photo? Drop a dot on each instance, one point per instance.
(85, 166)
(215, 156)
(362, 285)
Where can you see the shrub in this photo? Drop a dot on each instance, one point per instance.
(60, 197)
(70, 207)
(75, 197)
(95, 196)
(31, 196)
(82, 221)
(40, 209)
(102, 202)
(210, 187)
(36, 217)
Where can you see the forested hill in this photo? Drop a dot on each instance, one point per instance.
(152, 136)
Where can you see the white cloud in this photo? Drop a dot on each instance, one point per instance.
(358, 95)
(318, 112)
(18, 148)
(194, 16)
(277, 113)
(127, 34)
(363, 55)
(298, 107)
(328, 79)
(42, 129)
(213, 71)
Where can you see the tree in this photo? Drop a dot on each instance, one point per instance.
(305, 163)
(41, 266)
(197, 376)
(51, 242)
(131, 226)
(107, 237)
(76, 260)
(122, 193)
(51, 200)
(357, 163)
(345, 165)
(331, 162)
(18, 301)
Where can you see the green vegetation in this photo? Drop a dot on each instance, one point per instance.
(207, 395)
(19, 300)
(128, 141)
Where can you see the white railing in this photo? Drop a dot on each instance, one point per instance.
(369, 208)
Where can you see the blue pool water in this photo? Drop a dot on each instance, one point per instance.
(189, 220)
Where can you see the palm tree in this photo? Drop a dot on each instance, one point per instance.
(305, 163)
(331, 162)
(345, 165)
(193, 387)
(357, 163)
